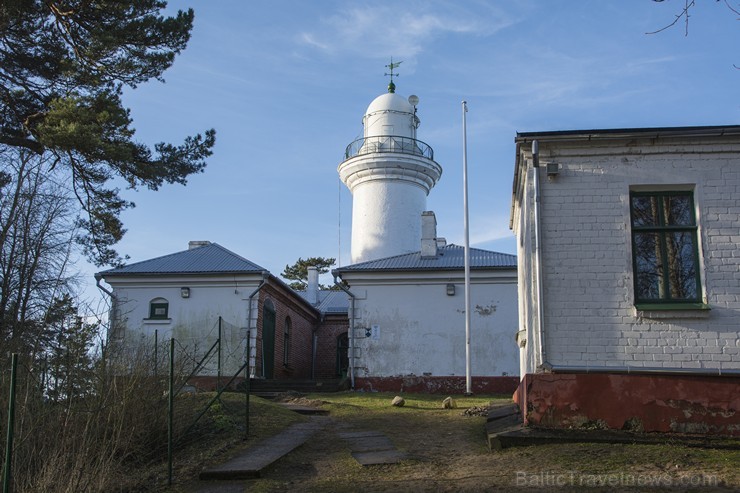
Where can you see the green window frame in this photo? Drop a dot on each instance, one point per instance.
(159, 310)
(665, 250)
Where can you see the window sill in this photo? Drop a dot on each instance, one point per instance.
(673, 310)
(157, 321)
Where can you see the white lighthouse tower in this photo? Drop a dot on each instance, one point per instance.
(390, 174)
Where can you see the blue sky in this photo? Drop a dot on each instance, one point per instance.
(286, 83)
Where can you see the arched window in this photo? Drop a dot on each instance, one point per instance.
(159, 308)
(286, 340)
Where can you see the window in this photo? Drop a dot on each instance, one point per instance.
(286, 341)
(665, 252)
(158, 308)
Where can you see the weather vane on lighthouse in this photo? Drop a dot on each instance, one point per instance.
(391, 66)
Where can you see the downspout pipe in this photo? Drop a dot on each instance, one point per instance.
(315, 344)
(538, 250)
(253, 367)
(99, 278)
(341, 286)
(111, 316)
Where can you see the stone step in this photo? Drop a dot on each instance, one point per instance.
(250, 463)
(500, 421)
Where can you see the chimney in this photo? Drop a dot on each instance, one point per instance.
(312, 288)
(428, 235)
(192, 245)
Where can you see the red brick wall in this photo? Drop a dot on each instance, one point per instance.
(661, 403)
(303, 322)
(326, 351)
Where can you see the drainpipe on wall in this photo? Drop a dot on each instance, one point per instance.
(315, 345)
(538, 251)
(99, 278)
(111, 316)
(253, 361)
(351, 330)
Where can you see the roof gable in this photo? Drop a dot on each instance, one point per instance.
(207, 259)
(450, 257)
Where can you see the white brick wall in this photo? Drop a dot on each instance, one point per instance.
(589, 313)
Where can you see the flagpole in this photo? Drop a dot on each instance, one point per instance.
(468, 378)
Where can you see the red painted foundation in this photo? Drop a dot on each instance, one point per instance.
(653, 403)
(437, 385)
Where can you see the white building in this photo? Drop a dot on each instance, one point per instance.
(403, 327)
(407, 315)
(207, 294)
(629, 277)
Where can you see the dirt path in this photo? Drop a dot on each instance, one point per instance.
(447, 453)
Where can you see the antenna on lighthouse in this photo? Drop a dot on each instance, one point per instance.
(391, 66)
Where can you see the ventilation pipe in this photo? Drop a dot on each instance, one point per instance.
(312, 287)
(192, 245)
(428, 235)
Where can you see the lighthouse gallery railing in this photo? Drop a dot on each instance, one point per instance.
(388, 143)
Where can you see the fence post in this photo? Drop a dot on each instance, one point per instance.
(170, 406)
(11, 423)
(247, 383)
(156, 353)
(218, 374)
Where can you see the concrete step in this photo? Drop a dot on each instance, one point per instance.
(250, 463)
(501, 421)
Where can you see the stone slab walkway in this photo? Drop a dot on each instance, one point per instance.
(252, 461)
(371, 448)
(301, 409)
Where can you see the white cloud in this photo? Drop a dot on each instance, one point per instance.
(402, 30)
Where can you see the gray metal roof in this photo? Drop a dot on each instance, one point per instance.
(330, 302)
(450, 257)
(656, 132)
(207, 259)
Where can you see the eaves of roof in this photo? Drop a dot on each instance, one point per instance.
(205, 260)
(616, 133)
(449, 257)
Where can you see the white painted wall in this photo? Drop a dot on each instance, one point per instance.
(417, 329)
(192, 321)
(386, 219)
(589, 313)
(389, 182)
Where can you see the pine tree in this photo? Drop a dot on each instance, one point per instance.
(63, 66)
(298, 272)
